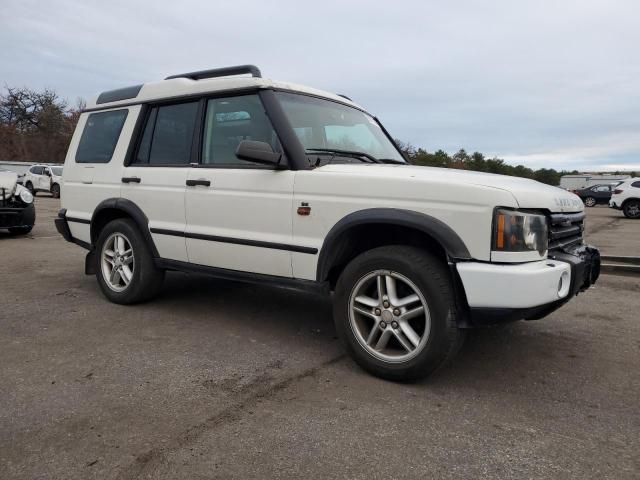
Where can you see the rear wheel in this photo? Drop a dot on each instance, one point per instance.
(395, 312)
(590, 202)
(631, 209)
(55, 190)
(126, 271)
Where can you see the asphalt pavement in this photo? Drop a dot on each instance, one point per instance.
(217, 379)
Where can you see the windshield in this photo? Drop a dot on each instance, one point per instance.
(323, 125)
(57, 171)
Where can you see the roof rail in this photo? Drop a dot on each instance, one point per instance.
(220, 72)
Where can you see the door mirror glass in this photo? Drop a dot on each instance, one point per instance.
(258, 152)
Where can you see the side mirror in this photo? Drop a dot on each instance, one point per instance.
(258, 152)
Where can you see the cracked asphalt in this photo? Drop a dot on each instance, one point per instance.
(216, 379)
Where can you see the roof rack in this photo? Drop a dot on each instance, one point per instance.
(220, 72)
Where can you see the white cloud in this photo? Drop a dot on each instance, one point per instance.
(541, 82)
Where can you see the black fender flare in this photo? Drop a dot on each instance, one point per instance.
(132, 210)
(437, 229)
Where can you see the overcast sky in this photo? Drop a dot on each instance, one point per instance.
(542, 83)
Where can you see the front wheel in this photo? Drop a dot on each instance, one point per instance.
(394, 310)
(631, 209)
(590, 202)
(126, 271)
(29, 186)
(55, 190)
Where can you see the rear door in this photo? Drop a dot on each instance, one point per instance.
(238, 212)
(94, 163)
(155, 178)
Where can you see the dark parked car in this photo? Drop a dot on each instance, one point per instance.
(597, 194)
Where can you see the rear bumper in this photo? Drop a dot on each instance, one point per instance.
(497, 292)
(62, 225)
(16, 217)
(614, 204)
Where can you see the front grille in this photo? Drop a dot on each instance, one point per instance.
(565, 230)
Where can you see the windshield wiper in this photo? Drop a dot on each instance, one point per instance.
(392, 160)
(350, 153)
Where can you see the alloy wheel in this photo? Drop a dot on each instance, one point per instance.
(117, 262)
(389, 316)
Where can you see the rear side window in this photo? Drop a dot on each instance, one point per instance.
(168, 135)
(636, 184)
(100, 136)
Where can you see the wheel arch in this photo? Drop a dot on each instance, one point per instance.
(365, 229)
(113, 208)
(627, 200)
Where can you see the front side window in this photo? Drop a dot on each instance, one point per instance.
(100, 136)
(37, 170)
(168, 135)
(57, 171)
(324, 125)
(229, 121)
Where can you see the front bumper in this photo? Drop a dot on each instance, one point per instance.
(498, 292)
(16, 216)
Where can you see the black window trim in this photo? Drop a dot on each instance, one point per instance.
(273, 112)
(124, 120)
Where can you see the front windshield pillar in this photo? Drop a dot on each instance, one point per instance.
(293, 149)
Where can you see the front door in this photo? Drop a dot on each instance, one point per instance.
(238, 212)
(155, 180)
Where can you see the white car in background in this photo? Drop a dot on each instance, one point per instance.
(43, 178)
(626, 197)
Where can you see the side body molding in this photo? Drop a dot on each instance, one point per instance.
(133, 211)
(438, 230)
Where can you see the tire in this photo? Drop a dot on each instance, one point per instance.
(20, 230)
(55, 190)
(590, 201)
(29, 186)
(144, 279)
(409, 269)
(631, 209)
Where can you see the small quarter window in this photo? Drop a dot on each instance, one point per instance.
(100, 136)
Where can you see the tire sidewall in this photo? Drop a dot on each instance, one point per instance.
(626, 206)
(586, 202)
(437, 295)
(55, 190)
(129, 230)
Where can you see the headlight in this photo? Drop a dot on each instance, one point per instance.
(24, 194)
(515, 231)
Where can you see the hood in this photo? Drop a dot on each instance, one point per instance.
(527, 193)
(8, 182)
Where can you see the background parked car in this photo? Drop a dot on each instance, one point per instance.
(17, 213)
(43, 178)
(626, 197)
(598, 194)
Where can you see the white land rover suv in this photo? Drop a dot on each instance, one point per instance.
(247, 178)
